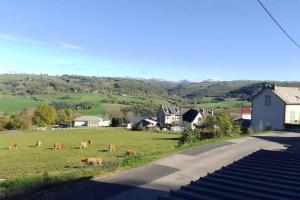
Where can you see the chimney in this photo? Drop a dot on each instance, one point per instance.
(273, 87)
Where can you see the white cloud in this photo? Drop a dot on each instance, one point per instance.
(19, 39)
(60, 44)
(69, 46)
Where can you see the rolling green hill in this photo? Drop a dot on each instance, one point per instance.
(108, 94)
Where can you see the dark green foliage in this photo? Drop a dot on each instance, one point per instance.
(117, 121)
(84, 106)
(189, 136)
(217, 126)
(3, 122)
(66, 116)
(16, 122)
(141, 109)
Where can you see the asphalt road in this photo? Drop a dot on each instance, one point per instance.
(169, 173)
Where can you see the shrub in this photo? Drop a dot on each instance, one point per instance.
(3, 123)
(16, 122)
(249, 131)
(189, 136)
(116, 121)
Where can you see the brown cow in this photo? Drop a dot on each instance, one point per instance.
(112, 147)
(58, 146)
(92, 161)
(90, 142)
(83, 145)
(38, 143)
(12, 146)
(130, 152)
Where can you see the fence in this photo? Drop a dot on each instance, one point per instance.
(77, 128)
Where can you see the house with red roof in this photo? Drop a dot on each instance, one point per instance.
(241, 113)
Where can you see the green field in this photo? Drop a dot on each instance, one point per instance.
(29, 169)
(106, 103)
(103, 104)
(25, 167)
(27, 158)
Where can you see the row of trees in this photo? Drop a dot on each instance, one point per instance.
(214, 126)
(42, 116)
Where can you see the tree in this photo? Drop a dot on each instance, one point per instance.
(188, 136)
(65, 116)
(44, 115)
(15, 122)
(27, 115)
(116, 121)
(226, 126)
(3, 123)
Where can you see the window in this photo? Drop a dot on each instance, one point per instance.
(267, 100)
(292, 117)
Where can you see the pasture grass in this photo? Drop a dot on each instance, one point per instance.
(29, 168)
(25, 167)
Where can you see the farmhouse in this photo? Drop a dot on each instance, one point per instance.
(168, 116)
(193, 117)
(92, 121)
(146, 123)
(275, 107)
(241, 113)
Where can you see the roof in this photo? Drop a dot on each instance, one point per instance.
(290, 95)
(244, 110)
(261, 175)
(170, 110)
(92, 118)
(190, 115)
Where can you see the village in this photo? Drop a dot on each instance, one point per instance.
(149, 100)
(273, 108)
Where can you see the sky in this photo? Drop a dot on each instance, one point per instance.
(163, 39)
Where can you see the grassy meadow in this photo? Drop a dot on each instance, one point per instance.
(28, 159)
(29, 168)
(104, 104)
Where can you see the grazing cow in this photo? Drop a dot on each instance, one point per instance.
(38, 143)
(12, 146)
(90, 142)
(92, 161)
(83, 145)
(112, 147)
(58, 146)
(130, 152)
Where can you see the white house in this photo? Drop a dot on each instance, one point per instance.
(92, 121)
(194, 117)
(168, 116)
(274, 107)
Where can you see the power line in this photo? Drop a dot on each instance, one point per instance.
(281, 28)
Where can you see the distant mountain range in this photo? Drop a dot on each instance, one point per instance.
(26, 84)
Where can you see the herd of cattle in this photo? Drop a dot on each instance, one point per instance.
(82, 145)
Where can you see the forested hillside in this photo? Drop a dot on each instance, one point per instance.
(96, 95)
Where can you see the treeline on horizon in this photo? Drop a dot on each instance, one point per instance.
(25, 84)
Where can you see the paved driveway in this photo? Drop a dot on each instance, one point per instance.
(171, 172)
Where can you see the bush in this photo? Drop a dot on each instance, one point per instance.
(116, 121)
(249, 131)
(16, 122)
(3, 123)
(189, 136)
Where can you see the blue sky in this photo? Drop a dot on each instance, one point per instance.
(169, 39)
